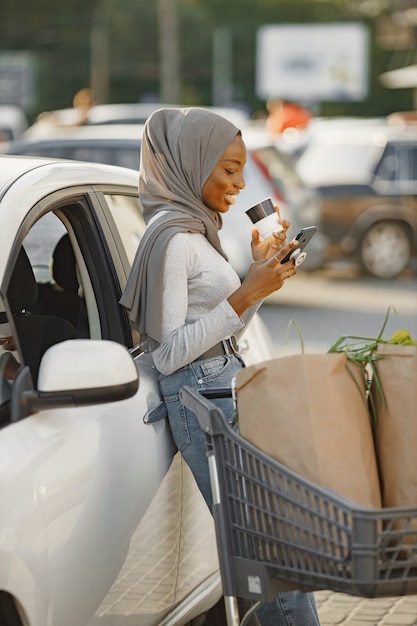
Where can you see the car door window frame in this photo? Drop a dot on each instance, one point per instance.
(112, 234)
(86, 232)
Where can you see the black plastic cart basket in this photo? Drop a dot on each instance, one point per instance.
(277, 531)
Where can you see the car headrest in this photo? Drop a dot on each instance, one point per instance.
(23, 290)
(64, 270)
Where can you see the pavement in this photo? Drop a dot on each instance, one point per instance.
(338, 609)
(340, 288)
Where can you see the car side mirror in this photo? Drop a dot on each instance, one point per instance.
(77, 372)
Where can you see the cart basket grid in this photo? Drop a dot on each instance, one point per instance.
(278, 531)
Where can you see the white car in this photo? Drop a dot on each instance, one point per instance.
(100, 520)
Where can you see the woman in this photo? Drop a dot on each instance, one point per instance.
(183, 296)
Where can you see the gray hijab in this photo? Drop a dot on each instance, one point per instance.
(180, 148)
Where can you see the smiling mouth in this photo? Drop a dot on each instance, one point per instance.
(231, 198)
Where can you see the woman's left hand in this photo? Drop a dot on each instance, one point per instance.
(265, 249)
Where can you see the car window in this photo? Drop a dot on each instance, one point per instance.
(388, 165)
(127, 214)
(38, 249)
(124, 157)
(413, 163)
(397, 171)
(57, 152)
(40, 243)
(46, 293)
(57, 272)
(64, 284)
(127, 157)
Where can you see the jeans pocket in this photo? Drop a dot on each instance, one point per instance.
(216, 368)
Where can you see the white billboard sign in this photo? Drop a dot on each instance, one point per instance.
(310, 63)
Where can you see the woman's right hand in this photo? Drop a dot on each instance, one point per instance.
(265, 249)
(263, 278)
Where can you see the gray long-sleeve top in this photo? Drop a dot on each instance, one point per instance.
(196, 313)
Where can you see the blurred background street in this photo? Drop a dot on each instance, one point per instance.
(338, 57)
(337, 301)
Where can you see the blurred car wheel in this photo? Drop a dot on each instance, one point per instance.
(385, 250)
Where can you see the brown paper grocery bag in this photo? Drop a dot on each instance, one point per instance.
(308, 412)
(396, 425)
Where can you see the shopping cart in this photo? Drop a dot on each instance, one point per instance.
(277, 531)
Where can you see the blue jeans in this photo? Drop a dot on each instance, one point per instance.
(291, 608)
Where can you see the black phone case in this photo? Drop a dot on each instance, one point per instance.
(303, 237)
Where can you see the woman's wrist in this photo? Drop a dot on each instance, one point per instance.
(241, 301)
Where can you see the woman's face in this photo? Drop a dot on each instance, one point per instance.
(226, 180)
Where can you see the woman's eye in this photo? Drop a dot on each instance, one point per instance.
(229, 172)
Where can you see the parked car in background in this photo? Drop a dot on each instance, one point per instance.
(294, 140)
(268, 174)
(138, 112)
(366, 174)
(123, 113)
(101, 521)
(114, 145)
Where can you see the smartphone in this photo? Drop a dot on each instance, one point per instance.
(303, 237)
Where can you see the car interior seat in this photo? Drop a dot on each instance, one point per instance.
(36, 332)
(62, 298)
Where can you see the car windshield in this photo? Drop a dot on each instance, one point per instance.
(329, 160)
